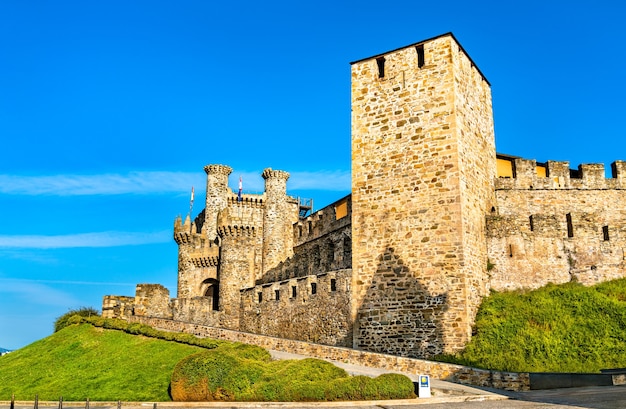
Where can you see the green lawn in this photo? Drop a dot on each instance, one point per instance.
(557, 328)
(82, 361)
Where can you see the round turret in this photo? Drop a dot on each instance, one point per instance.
(217, 192)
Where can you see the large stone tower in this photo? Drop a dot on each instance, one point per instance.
(423, 168)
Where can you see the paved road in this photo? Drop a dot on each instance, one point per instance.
(600, 397)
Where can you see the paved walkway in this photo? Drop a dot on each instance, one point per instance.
(439, 389)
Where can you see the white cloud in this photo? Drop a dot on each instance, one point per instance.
(20, 282)
(105, 184)
(157, 182)
(101, 239)
(36, 293)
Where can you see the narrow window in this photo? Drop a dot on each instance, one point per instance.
(313, 288)
(299, 231)
(310, 224)
(605, 232)
(570, 227)
(277, 294)
(294, 292)
(260, 297)
(381, 66)
(420, 55)
(510, 250)
(532, 224)
(333, 284)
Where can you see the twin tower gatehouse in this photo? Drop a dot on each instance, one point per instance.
(435, 220)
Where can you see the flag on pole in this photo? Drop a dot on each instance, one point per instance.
(239, 199)
(191, 202)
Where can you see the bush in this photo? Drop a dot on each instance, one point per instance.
(240, 372)
(63, 320)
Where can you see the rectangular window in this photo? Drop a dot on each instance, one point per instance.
(532, 223)
(260, 297)
(333, 284)
(570, 226)
(420, 55)
(277, 294)
(294, 291)
(605, 233)
(313, 288)
(381, 66)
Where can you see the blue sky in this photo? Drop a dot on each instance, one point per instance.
(109, 110)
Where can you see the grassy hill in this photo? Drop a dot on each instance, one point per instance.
(108, 360)
(83, 361)
(557, 328)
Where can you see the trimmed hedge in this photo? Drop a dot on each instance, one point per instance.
(246, 373)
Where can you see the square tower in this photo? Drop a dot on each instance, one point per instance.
(423, 169)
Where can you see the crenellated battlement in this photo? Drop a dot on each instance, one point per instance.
(324, 221)
(236, 231)
(183, 232)
(270, 173)
(519, 173)
(207, 256)
(218, 170)
(246, 201)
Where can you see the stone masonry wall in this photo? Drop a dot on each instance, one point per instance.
(307, 296)
(117, 306)
(323, 243)
(556, 228)
(281, 212)
(196, 309)
(152, 300)
(312, 308)
(437, 370)
(418, 260)
(198, 259)
(477, 165)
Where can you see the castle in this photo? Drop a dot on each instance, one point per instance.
(436, 219)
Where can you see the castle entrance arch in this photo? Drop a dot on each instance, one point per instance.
(211, 288)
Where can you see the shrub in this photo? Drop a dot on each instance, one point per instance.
(63, 321)
(240, 372)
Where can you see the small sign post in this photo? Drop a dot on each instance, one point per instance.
(423, 387)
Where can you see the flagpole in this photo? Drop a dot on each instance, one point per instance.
(191, 205)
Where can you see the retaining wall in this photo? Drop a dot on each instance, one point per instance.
(437, 370)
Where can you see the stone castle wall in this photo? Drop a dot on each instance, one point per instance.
(557, 229)
(152, 300)
(313, 308)
(307, 296)
(323, 243)
(117, 306)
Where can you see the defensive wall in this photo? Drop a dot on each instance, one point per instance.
(553, 224)
(435, 220)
